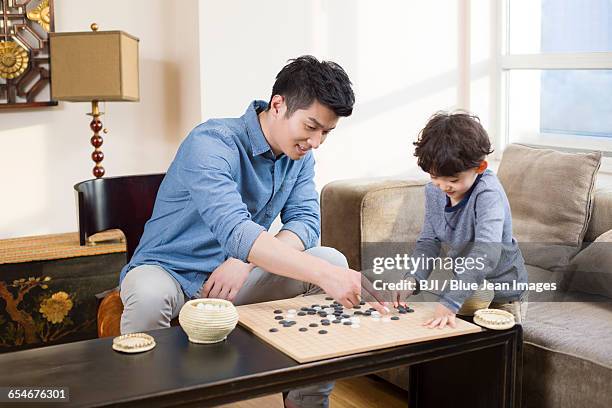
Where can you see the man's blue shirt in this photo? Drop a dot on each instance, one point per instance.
(225, 187)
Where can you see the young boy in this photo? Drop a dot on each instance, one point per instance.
(466, 209)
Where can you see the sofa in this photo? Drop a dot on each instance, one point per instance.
(567, 353)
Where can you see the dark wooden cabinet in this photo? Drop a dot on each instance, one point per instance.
(48, 287)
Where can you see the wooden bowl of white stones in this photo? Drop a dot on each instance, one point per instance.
(208, 320)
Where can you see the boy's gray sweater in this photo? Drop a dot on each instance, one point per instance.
(478, 227)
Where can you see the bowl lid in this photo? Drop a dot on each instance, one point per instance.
(133, 343)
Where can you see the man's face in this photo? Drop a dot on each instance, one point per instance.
(456, 186)
(305, 129)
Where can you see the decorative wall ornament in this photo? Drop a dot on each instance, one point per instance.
(13, 60)
(42, 15)
(24, 53)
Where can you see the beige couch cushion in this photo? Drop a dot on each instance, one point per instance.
(550, 195)
(591, 269)
(361, 217)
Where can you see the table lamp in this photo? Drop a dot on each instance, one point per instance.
(93, 67)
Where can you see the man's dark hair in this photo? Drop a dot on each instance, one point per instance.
(306, 79)
(451, 143)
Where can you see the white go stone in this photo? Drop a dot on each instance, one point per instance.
(291, 311)
(200, 306)
(355, 326)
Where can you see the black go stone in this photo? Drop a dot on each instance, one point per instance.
(312, 312)
(362, 303)
(322, 331)
(292, 322)
(325, 323)
(282, 322)
(367, 313)
(313, 325)
(336, 321)
(358, 312)
(394, 317)
(303, 329)
(347, 323)
(410, 310)
(346, 316)
(273, 330)
(356, 307)
(324, 320)
(304, 309)
(323, 314)
(301, 313)
(313, 306)
(278, 317)
(372, 309)
(277, 311)
(403, 311)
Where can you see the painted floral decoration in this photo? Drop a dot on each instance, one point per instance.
(57, 307)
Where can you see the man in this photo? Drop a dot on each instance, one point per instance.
(230, 178)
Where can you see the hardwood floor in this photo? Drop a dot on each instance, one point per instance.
(358, 392)
(367, 392)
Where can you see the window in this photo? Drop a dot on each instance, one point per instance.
(557, 73)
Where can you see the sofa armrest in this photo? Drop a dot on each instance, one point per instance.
(601, 217)
(358, 211)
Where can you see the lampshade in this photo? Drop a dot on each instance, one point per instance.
(99, 65)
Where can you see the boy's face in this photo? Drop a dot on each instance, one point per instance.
(305, 129)
(456, 186)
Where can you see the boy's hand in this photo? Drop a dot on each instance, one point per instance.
(396, 298)
(442, 317)
(226, 281)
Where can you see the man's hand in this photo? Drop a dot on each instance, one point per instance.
(226, 281)
(442, 317)
(342, 284)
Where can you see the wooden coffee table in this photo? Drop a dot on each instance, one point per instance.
(474, 370)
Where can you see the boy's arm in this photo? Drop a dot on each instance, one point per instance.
(301, 213)
(486, 247)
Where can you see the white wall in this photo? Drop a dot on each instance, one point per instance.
(44, 152)
(400, 55)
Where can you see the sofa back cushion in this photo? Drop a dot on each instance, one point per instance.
(550, 195)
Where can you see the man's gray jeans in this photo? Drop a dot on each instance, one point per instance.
(152, 297)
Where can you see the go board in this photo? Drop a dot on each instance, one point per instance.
(291, 326)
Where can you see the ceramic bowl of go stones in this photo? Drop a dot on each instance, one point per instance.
(208, 320)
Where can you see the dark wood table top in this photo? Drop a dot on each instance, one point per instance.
(177, 372)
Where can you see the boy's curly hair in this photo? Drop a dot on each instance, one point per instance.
(451, 143)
